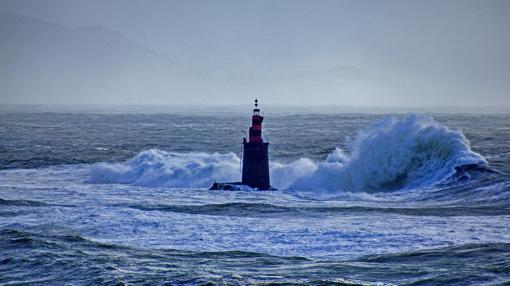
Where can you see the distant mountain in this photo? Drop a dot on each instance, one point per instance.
(42, 61)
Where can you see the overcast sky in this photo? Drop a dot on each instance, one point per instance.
(402, 53)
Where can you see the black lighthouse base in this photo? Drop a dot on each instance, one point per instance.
(255, 170)
(256, 165)
(235, 186)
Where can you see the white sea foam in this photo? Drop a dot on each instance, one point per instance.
(393, 153)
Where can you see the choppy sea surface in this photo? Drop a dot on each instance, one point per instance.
(363, 199)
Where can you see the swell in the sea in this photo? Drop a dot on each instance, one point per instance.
(394, 153)
(82, 261)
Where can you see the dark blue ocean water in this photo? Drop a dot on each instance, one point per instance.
(409, 199)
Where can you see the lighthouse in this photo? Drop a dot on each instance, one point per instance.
(255, 154)
(255, 170)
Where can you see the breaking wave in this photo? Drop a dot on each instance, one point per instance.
(155, 168)
(394, 153)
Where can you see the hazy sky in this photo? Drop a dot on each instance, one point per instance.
(410, 53)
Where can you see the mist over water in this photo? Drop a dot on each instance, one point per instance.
(360, 53)
(121, 198)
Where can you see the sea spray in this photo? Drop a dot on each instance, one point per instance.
(393, 153)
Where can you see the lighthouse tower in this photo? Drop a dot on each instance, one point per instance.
(255, 159)
(255, 154)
